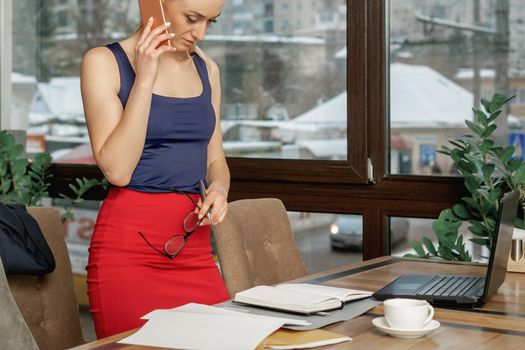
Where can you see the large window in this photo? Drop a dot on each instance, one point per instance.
(333, 106)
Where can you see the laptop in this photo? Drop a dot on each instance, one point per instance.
(463, 291)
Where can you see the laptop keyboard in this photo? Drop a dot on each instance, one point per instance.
(449, 286)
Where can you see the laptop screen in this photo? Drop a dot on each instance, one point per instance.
(500, 251)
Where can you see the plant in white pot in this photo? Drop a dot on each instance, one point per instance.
(488, 171)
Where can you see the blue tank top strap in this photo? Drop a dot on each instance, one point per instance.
(203, 73)
(127, 74)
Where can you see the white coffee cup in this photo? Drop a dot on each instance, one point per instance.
(407, 313)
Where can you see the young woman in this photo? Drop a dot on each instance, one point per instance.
(153, 118)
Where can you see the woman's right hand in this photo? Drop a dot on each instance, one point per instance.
(148, 50)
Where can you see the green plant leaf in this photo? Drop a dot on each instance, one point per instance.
(486, 145)
(488, 170)
(514, 164)
(484, 193)
(494, 116)
(447, 215)
(459, 144)
(445, 253)
(460, 211)
(488, 131)
(519, 175)
(495, 194)
(456, 155)
(474, 159)
(471, 183)
(480, 241)
(507, 153)
(497, 101)
(5, 185)
(430, 246)
(475, 128)
(418, 248)
(477, 228)
(468, 168)
(486, 104)
(480, 116)
(438, 227)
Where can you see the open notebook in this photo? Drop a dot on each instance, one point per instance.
(299, 297)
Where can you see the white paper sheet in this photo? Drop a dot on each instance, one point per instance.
(186, 330)
(206, 309)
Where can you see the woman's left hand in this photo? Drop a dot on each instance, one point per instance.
(217, 199)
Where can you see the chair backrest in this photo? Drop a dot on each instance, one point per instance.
(48, 303)
(255, 245)
(14, 333)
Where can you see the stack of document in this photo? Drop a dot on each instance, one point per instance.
(196, 326)
(300, 297)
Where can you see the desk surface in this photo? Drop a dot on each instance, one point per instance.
(499, 324)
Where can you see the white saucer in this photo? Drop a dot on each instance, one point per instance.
(381, 324)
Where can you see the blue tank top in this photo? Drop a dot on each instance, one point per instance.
(179, 130)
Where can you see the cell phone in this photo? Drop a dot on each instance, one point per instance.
(153, 8)
(202, 191)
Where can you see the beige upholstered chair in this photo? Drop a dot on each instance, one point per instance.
(255, 245)
(48, 303)
(14, 333)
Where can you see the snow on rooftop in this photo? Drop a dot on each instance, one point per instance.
(333, 113)
(19, 78)
(335, 148)
(420, 98)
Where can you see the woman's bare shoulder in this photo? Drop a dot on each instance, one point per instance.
(100, 70)
(98, 58)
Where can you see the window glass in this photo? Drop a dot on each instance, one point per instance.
(327, 240)
(283, 74)
(445, 55)
(49, 39)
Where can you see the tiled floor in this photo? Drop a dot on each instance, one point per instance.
(86, 322)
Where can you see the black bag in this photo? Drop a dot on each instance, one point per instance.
(23, 248)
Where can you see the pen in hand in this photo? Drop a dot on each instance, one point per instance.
(202, 191)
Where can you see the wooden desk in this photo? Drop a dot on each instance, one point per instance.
(499, 324)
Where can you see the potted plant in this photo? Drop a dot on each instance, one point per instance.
(25, 181)
(488, 171)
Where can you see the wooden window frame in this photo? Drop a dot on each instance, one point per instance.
(337, 186)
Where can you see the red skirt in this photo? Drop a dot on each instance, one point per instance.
(127, 278)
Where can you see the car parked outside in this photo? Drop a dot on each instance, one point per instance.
(346, 232)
